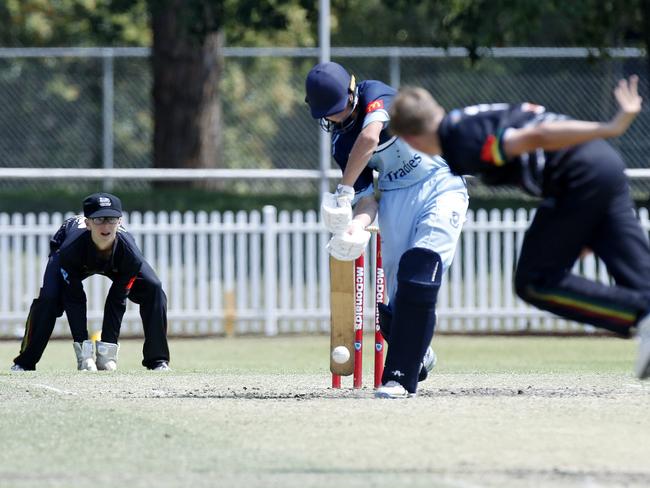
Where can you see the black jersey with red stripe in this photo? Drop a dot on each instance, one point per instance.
(80, 259)
(472, 144)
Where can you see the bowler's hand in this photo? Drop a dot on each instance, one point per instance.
(629, 104)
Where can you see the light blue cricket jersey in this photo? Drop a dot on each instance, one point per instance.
(398, 164)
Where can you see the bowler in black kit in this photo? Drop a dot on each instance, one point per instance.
(585, 199)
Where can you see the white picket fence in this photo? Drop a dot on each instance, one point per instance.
(267, 273)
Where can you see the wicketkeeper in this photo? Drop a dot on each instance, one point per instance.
(96, 243)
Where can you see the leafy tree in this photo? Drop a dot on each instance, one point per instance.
(52, 106)
(189, 74)
(191, 121)
(476, 23)
(187, 65)
(36, 23)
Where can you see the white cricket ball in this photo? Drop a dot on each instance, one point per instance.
(340, 354)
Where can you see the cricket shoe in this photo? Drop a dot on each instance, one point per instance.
(17, 367)
(428, 363)
(642, 367)
(392, 390)
(161, 366)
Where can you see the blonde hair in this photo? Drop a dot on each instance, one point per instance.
(414, 112)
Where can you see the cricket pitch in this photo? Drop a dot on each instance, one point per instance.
(256, 412)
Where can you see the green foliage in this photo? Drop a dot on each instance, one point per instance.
(255, 23)
(251, 114)
(477, 23)
(74, 23)
(70, 89)
(61, 126)
(470, 23)
(598, 23)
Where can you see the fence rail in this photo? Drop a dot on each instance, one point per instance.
(267, 273)
(178, 174)
(165, 174)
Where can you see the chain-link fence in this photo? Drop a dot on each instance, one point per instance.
(93, 109)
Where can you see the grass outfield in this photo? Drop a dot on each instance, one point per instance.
(255, 412)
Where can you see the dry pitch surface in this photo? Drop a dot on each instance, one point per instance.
(251, 412)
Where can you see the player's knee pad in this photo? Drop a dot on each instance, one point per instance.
(419, 275)
(385, 320)
(414, 315)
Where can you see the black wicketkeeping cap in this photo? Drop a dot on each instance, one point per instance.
(102, 205)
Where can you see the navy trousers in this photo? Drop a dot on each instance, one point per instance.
(146, 291)
(589, 206)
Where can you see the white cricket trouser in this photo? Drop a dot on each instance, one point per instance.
(429, 214)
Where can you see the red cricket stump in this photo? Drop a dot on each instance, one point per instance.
(359, 285)
(379, 298)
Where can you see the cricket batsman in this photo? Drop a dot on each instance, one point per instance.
(421, 213)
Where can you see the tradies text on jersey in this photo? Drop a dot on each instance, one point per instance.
(406, 168)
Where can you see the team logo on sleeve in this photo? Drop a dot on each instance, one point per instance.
(455, 116)
(531, 107)
(376, 105)
(64, 273)
(490, 152)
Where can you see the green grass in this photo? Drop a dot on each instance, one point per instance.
(308, 355)
(258, 412)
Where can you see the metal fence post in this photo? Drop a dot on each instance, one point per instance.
(269, 222)
(395, 68)
(108, 92)
(324, 56)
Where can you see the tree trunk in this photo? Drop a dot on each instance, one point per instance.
(187, 68)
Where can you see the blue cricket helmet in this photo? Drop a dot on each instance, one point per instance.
(328, 86)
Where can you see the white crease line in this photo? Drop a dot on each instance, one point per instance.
(459, 483)
(57, 390)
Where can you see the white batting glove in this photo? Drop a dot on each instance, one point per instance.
(349, 245)
(344, 195)
(336, 209)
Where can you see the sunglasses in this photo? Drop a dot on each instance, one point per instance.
(105, 220)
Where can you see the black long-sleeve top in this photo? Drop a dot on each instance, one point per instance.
(80, 258)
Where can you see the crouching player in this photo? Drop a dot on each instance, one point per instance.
(421, 212)
(83, 246)
(585, 199)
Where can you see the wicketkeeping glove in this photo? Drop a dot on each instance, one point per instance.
(349, 245)
(336, 209)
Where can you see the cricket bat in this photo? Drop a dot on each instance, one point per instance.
(342, 313)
